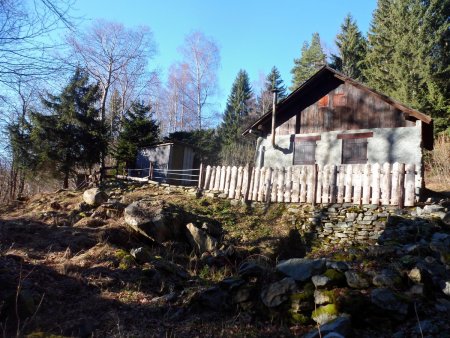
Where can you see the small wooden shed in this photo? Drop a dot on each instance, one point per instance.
(172, 162)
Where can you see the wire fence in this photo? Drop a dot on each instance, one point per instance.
(164, 175)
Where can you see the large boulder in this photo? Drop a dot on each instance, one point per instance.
(200, 240)
(388, 301)
(95, 197)
(356, 279)
(278, 292)
(387, 277)
(301, 269)
(440, 243)
(155, 220)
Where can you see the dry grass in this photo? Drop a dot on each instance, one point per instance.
(437, 165)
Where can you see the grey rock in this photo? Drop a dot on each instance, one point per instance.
(278, 292)
(439, 214)
(242, 294)
(154, 221)
(415, 275)
(324, 314)
(432, 208)
(356, 280)
(320, 280)
(212, 228)
(213, 299)
(321, 297)
(141, 255)
(388, 301)
(200, 240)
(301, 269)
(251, 269)
(341, 326)
(387, 277)
(442, 305)
(94, 196)
(339, 266)
(416, 289)
(333, 335)
(446, 218)
(445, 287)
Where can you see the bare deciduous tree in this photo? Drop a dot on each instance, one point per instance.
(111, 52)
(25, 37)
(202, 58)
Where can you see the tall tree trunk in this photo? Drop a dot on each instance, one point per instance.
(66, 180)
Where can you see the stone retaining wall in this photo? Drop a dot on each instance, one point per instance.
(348, 224)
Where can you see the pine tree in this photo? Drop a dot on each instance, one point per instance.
(71, 135)
(237, 109)
(264, 100)
(408, 56)
(235, 149)
(310, 61)
(381, 45)
(274, 81)
(139, 129)
(352, 49)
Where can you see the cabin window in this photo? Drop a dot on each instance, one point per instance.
(354, 151)
(305, 152)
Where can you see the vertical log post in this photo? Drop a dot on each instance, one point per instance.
(333, 183)
(200, 176)
(246, 184)
(410, 191)
(315, 184)
(394, 184)
(207, 177)
(401, 186)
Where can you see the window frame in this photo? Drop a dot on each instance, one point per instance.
(307, 141)
(351, 141)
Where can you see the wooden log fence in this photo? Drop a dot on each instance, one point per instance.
(386, 184)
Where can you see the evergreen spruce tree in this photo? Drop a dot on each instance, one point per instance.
(310, 61)
(264, 100)
(237, 109)
(274, 81)
(381, 45)
(235, 149)
(139, 129)
(352, 49)
(408, 56)
(71, 135)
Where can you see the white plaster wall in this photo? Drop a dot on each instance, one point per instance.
(387, 145)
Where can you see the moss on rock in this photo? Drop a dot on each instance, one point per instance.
(325, 314)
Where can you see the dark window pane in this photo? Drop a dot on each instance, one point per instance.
(305, 152)
(354, 151)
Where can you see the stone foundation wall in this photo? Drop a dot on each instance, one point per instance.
(349, 224)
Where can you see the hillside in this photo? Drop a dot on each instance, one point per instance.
(164, 262)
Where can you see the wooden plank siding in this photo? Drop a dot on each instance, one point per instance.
(345, 108)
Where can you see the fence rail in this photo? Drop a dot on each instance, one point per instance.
(174, 176)
(387, 184)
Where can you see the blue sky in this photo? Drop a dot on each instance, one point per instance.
(252, 35)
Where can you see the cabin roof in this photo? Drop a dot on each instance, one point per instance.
(322, 76)
(163, 144)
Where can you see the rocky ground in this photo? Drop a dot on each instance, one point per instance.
(158, 261)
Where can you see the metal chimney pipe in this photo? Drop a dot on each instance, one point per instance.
(274, 109)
